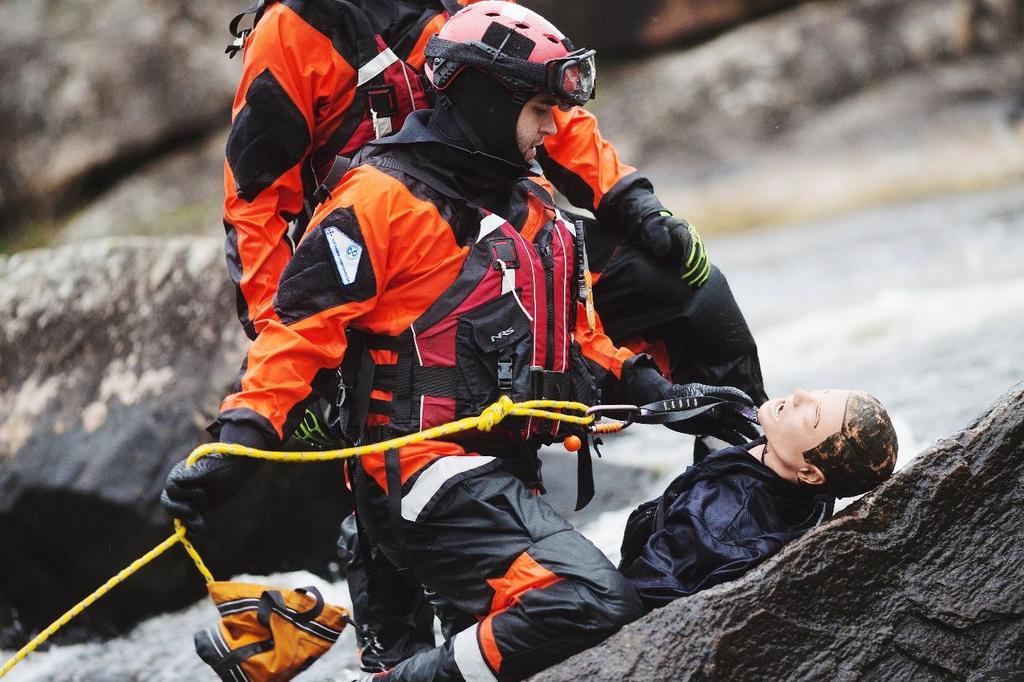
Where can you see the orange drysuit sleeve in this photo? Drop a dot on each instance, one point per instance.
(586, 169)
(294, 88)
(596, 345)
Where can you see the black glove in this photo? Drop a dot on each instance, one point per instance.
(731, 420)
(674, 240)
(192, 491)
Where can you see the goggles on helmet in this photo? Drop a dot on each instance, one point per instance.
(569, 79)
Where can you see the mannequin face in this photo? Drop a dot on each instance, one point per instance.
(797, 423)
(536, 122)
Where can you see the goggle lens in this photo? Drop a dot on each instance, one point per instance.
(574, 78)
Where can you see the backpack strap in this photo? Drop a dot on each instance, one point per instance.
(451, 6)
(322, 192)
(239, 35)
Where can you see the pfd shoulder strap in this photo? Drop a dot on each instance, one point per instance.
(451, 6)
(239, 35)
(542, 193)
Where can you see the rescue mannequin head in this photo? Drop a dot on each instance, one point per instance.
(840, 440)
(490, 60)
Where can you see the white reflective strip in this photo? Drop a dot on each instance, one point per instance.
(435, 476)
(416, 345)
(569, 225)
(217, 639)
(470, 659)
(490, 224)
(508, 279)
(372, 68)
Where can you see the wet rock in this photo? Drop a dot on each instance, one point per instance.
(114, 356)
(918, 580)
(92, 89)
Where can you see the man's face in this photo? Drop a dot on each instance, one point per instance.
(536, 122)
(799, 422)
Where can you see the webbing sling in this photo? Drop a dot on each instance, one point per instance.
(675, 410)
(393, 474)
(364, 515)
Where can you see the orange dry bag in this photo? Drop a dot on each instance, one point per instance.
(267, 634)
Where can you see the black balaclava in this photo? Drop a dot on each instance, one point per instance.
(478, 113)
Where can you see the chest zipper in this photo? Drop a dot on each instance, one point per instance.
(547, 260)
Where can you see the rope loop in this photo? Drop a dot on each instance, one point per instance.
(493, 414)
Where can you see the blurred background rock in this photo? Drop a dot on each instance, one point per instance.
(114, 114)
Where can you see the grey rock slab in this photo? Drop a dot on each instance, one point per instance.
(114, 356)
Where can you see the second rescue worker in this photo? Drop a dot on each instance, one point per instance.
(324, 77)
(464, 279)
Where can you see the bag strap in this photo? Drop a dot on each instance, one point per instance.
(393, 472)
(584, 474)
(272, 600)
(236, 657)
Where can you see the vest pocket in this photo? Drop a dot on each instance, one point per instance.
(494, 350)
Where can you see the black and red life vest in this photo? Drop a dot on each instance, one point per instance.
(504, 327)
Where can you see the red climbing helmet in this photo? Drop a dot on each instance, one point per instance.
(517, 46)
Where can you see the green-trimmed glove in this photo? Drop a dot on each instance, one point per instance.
(676, 241)
(311, 430)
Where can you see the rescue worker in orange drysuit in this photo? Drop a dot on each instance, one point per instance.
(324, 77)
(449, 260)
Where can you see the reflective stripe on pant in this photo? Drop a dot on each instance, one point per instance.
(541, 592)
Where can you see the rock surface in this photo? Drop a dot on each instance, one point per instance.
(761, 80)
(827, 107)
(113, 358)
(919, 580)
(92, 89)
(824, 107)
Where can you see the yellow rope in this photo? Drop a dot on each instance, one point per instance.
(487, 420)
(179, 536)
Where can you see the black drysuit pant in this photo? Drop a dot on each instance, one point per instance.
(518, 588)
